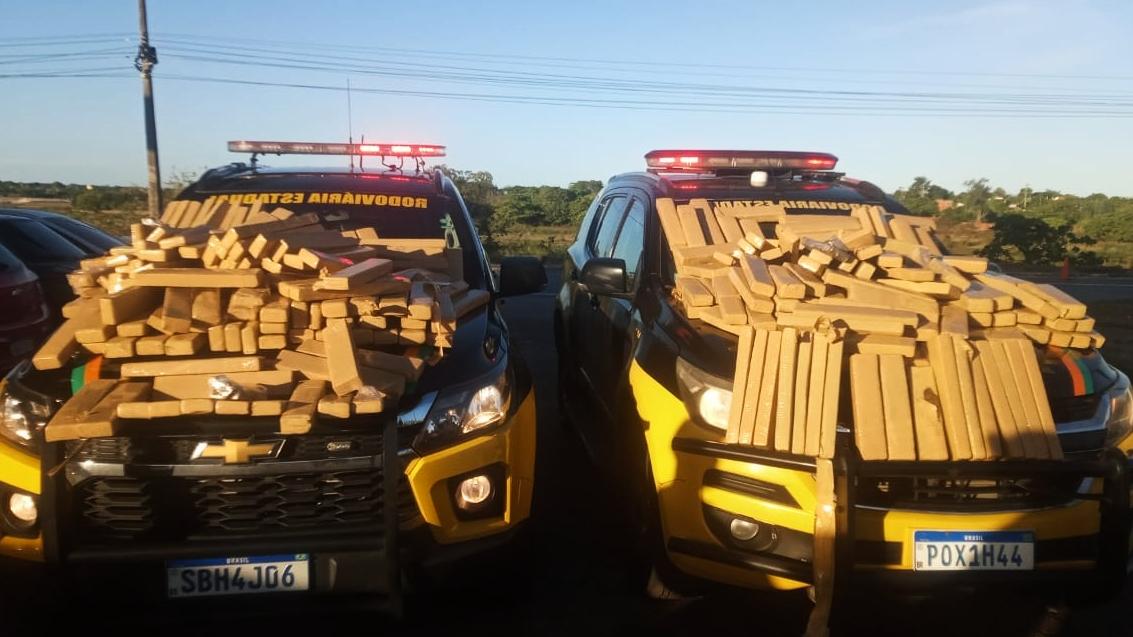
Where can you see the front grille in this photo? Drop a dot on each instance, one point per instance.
(965, 494)
(173, 509)
(1075, 408)
(179, 449)
(117, 450)
(294, 501)
(305, 492)
(121, 506)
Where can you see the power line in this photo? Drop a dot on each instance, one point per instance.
(527, 64)
(518, 84)
(409, 53)
(631, 105)
(592, 83)
(466, 74)
(72, 36)
(52, 57)
(541, 79)
(105, 71)
(293, 45)
(35, 42)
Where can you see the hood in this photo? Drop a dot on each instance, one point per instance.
(705, 347)
(1074, 380)
(1070, 374)
(15, 274)
(476, 336)
(54, 267)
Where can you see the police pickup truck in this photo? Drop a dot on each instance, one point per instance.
(343, 508)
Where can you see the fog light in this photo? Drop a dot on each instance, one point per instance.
(23, 508)
(475, 490)
(743, 530)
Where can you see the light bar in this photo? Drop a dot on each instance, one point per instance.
(711, 160)
(308, 148)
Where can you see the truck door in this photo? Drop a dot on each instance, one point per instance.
(613, 320)
(599, 238)
(585, 342)
(608, 327)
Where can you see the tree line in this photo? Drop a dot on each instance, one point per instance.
(502, 208)
(84, 198)
(1030, 226)
(494, 208)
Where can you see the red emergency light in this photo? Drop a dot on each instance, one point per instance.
(314, 148)
(712, 160)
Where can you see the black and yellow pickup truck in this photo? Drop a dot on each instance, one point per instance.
(649, 391)
(349, 507)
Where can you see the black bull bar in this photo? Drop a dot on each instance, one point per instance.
(1112, 466)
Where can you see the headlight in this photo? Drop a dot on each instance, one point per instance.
(1120, 421)
(460, 412)
(22, 412)
(708, 398)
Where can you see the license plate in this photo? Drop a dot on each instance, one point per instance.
(973, 551)
(237, 575)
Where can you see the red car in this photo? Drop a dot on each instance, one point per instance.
(24, 317)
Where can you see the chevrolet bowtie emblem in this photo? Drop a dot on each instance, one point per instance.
(236, 451)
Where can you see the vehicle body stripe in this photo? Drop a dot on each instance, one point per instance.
(93, 369)
(1087, 375)
(1079, 374)
(85, 373)
(77, 379)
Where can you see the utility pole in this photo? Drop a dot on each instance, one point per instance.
(144, 62)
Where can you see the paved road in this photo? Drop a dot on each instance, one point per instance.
(574, 582)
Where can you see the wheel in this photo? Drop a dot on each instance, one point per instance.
(650, 566)
(501, 572)
(564, 392)
(656, 588)
(565, 374)
(1106, 587)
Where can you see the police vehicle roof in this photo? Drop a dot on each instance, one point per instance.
(729, 174)
(812, 187)
(242, 177)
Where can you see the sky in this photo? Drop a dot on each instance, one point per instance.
(1022, 92)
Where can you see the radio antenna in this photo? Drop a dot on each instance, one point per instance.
(350, 125)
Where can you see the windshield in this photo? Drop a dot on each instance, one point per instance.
(392, 216)
(89, 237)
(430, 221)
(9, 262)
(410, 216)
(724, 219)
(34, 242)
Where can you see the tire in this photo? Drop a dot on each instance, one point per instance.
(563, 368)
(501, 572)
(656, 588)
(564, 371)
(651, 569)
(1104, 589)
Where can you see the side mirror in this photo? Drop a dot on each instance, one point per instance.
(604, 276)
(521, 275)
